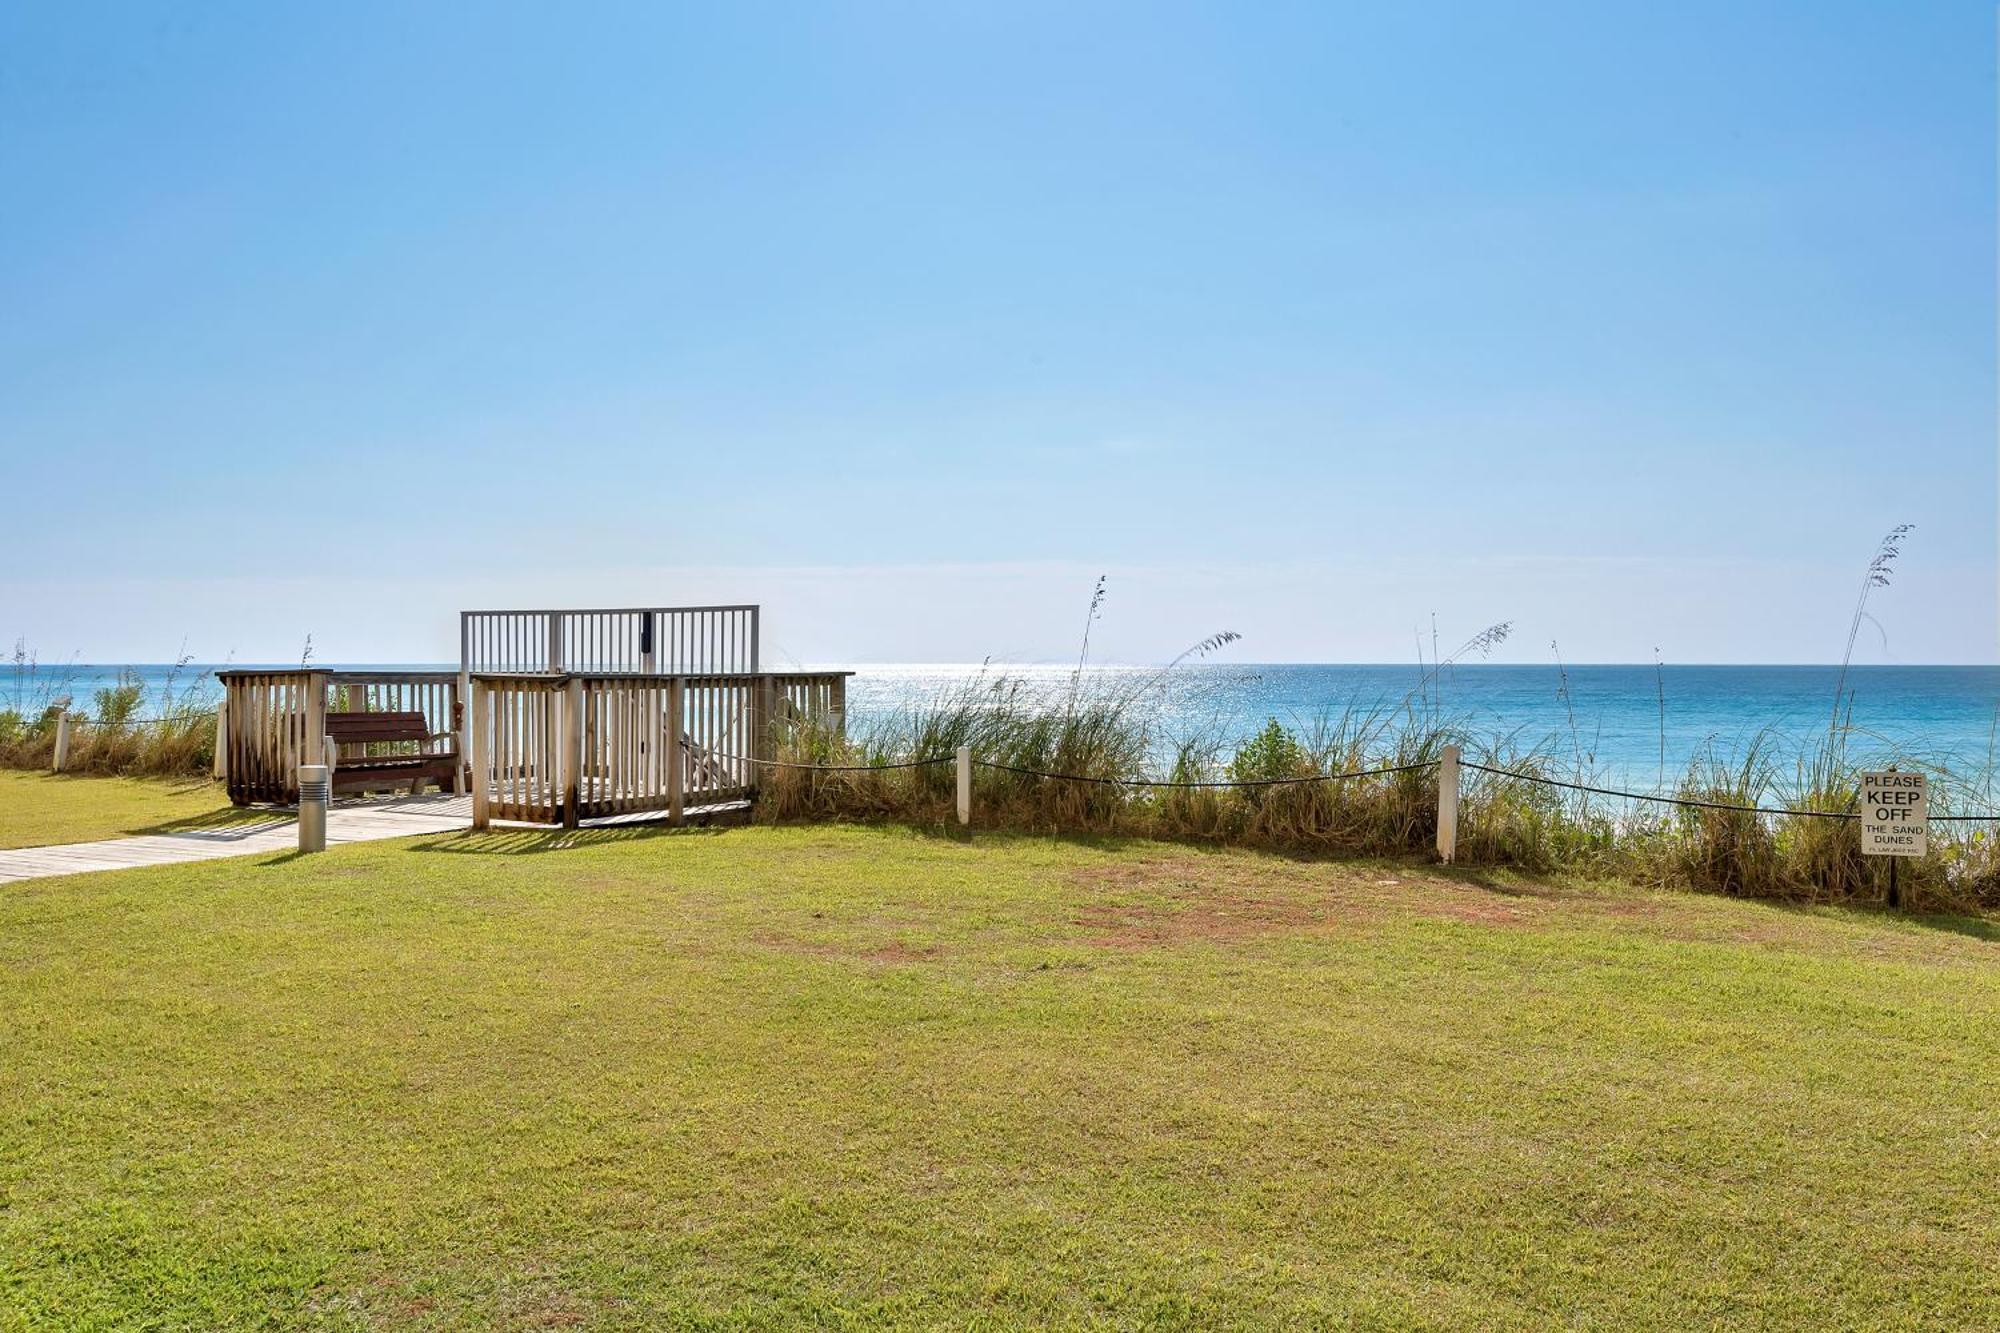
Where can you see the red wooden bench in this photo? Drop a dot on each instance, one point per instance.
(401, 742)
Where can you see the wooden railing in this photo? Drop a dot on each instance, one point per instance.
(513, 736)
(559, 749)
(543, 748)
(270, 714)
(273, 721)
(661, 640)
(432, 693)
(819, 695)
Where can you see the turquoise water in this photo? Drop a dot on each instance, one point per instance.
(1943, 715)
(1604, 720)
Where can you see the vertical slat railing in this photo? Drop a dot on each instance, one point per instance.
(687, 640)
(562, 749)
(521, 771)
(276, 721)
(435, 694)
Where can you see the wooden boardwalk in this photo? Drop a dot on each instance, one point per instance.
(347, 821)
(358, 820)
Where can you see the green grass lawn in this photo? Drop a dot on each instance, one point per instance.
(844, 1077)
(37, 809)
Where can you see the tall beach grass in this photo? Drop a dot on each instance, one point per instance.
(118, 730)
(1516, 818)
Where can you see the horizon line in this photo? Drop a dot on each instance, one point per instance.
(998, 664)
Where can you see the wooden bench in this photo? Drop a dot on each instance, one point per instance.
(399, 730)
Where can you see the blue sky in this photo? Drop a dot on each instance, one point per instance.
(1636, 325)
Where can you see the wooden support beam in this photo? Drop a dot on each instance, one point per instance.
(482, 764)
(1447, 829)
(219, 766)
(570, 752)
(676, 754)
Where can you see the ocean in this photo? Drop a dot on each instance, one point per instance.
(1603, 719)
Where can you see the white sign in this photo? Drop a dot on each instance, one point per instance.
(1895, 814)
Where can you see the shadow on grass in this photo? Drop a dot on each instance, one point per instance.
(1513, 884)
(1953, 923)
(1956, 923)
(1501, 881)
(175, 784)
(1112, 843)
(534, 842)
(1104, 841)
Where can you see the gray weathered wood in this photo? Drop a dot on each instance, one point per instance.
(1447, 820)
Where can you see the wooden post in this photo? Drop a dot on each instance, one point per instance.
(462, 699)
(461, 725)
(964, 785)
(481, 766)
(570, 756)
(459, 783)
(312, 743)
(763, 713)
(836, 722)
(676, 759)
(555, 641)
(219, 765)
(1447, 839)
(60, 760)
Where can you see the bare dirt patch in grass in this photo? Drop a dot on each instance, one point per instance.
(1220, 917)
(1163, 901)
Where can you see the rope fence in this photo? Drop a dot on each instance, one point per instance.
(1693, 804)
(97, 731)
(1190, 786)
(896, 765)
(1685, 801)
(1167, 784)
(1164, 784)
(884, 767)
(85, 720)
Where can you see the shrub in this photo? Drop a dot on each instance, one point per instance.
(1256, 796)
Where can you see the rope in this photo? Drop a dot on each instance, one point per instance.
(140, 721)
(1661, 800)
(831, 768)
(1702, 805)
(1161, 784)
(1252, 782)
(1069, 777)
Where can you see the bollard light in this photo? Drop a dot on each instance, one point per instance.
(315, 790)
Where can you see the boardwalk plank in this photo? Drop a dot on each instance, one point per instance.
(347, 822)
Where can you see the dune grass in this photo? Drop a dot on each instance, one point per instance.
(1276, 790)
(114, 734)
(847, 1076)
(39, 809)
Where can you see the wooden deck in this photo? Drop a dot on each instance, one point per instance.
(347, 821)
(541, 747)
